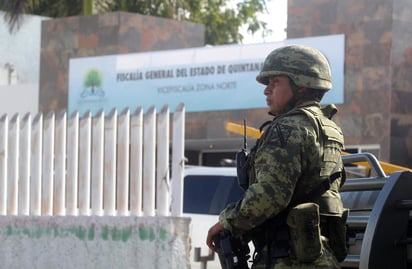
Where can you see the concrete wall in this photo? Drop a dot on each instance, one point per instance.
(94, 242)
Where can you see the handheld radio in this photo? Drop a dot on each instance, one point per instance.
(241, 158)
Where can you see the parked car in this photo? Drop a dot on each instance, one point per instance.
(207, 190)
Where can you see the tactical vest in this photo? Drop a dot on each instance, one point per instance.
(331, 141)
(330, 138)
(330, 135)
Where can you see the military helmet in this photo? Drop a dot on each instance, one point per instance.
(306, 66)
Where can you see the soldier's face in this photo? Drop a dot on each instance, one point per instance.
(278, 93)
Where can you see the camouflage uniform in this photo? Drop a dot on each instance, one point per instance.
(298, 150)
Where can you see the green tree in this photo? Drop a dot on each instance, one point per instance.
(223, 19)
(48, 8)
(93, 79)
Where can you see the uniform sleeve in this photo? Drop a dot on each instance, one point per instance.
(278, 166)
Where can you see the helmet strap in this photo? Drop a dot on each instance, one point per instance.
(296, 96)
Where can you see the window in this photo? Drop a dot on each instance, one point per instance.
(206, 194)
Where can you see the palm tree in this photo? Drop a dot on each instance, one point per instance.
(221, 24)
(49, 8)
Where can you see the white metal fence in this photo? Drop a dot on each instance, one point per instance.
(113, 165)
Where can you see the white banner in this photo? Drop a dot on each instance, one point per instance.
(204, 79)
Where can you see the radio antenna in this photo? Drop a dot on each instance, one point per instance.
(244, 134)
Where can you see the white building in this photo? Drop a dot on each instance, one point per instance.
(20, 65)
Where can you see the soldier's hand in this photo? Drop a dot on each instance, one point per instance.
(215, 229)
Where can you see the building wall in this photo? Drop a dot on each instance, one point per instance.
(377, 68)
(401, 95)
(20, 50)
(20, 65)
(103, 34)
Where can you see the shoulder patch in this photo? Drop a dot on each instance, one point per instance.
(279, 134)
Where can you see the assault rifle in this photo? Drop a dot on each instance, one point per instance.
(241, 158)
(233, 252)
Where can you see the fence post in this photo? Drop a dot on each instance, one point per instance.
(72, 164)
(149, 162)
(4, 128)
(84, 163)
(48, 161)
(59, 197)
(178, 160)
(136, 146)
(36, 165)
(110, 134)
(162, 171)
(24, 166)
(123, 137)
(13, 170)
(97, 163)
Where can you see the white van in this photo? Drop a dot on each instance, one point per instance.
(207, 190)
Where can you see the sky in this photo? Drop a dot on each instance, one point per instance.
(276, 20)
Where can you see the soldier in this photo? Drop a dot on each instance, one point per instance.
(292, 210)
